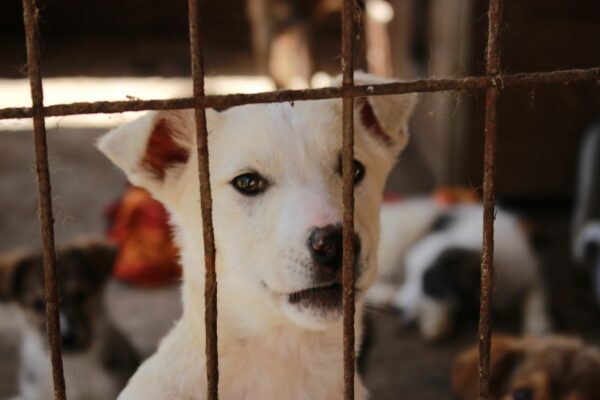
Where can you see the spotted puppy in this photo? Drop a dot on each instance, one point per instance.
(277, 208)
(97, 358)
(549, 368)
(437, 249)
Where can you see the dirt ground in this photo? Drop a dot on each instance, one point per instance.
(398, 364)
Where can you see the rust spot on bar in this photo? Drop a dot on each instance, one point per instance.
(489, 196)
(31, 18)
(348, 197)
(210, 288)
(230, 100)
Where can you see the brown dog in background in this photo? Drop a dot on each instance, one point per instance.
(284, 37)
(98, 359)
(548, 368)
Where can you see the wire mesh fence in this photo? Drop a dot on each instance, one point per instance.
(493, 83)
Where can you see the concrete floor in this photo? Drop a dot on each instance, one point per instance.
(399, 364)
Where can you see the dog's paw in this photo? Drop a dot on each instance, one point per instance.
(435, 321)
(536, 320)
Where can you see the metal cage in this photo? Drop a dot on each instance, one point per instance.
(493, 83)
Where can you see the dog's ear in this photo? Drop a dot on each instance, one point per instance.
(8, 269)
(100, 255)
(155, 147)
(12, 269)
(385, 118)
(506, 353)
(454, 274)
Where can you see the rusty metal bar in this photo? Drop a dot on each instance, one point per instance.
(224, 101)
(348, 197)
(210, 284)
(31, 15)
(489, 198)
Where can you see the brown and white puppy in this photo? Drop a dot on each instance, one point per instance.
(97, 358)
(549, 368)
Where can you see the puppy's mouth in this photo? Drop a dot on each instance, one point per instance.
(323, 297)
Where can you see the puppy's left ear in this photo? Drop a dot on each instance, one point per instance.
(11, 266)
(385, 118)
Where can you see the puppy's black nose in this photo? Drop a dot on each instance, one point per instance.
(325, 244)
(70, 341)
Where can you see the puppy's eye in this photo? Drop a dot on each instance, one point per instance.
(359, 170)
(249, 184)
(523, 394)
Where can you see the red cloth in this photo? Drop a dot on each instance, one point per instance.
(392, 198)
(139, 225)
(453, 195)
(444, 196)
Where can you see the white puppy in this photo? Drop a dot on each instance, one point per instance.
(440, 258)
(277, 191)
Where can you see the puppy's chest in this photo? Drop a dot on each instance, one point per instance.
(85, 375)
(266, 371)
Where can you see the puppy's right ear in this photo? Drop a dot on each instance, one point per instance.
(103, 255)
(100, 256)
(384, 118)
(11, 268)
(506, 352)
(154, 148)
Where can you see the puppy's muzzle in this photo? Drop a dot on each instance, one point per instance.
(75, 336)
(326, 249)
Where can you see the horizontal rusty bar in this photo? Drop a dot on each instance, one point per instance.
(224, 101)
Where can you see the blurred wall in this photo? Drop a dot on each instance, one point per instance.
(539, 130)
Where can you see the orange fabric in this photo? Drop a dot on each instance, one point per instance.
(453, 195)
(444, 196)
(392, 198)
(139, 225)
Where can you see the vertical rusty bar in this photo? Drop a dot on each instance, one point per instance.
(31, 15)
(210, 288)
(348, 197)
(489, 197)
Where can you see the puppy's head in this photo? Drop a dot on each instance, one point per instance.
(277, 190)
(82, 270)
(454, 277)
(532, 369)
(441, 280)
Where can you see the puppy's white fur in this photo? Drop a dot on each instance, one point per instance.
(85, 373)
(268, 347)
(402, 225)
